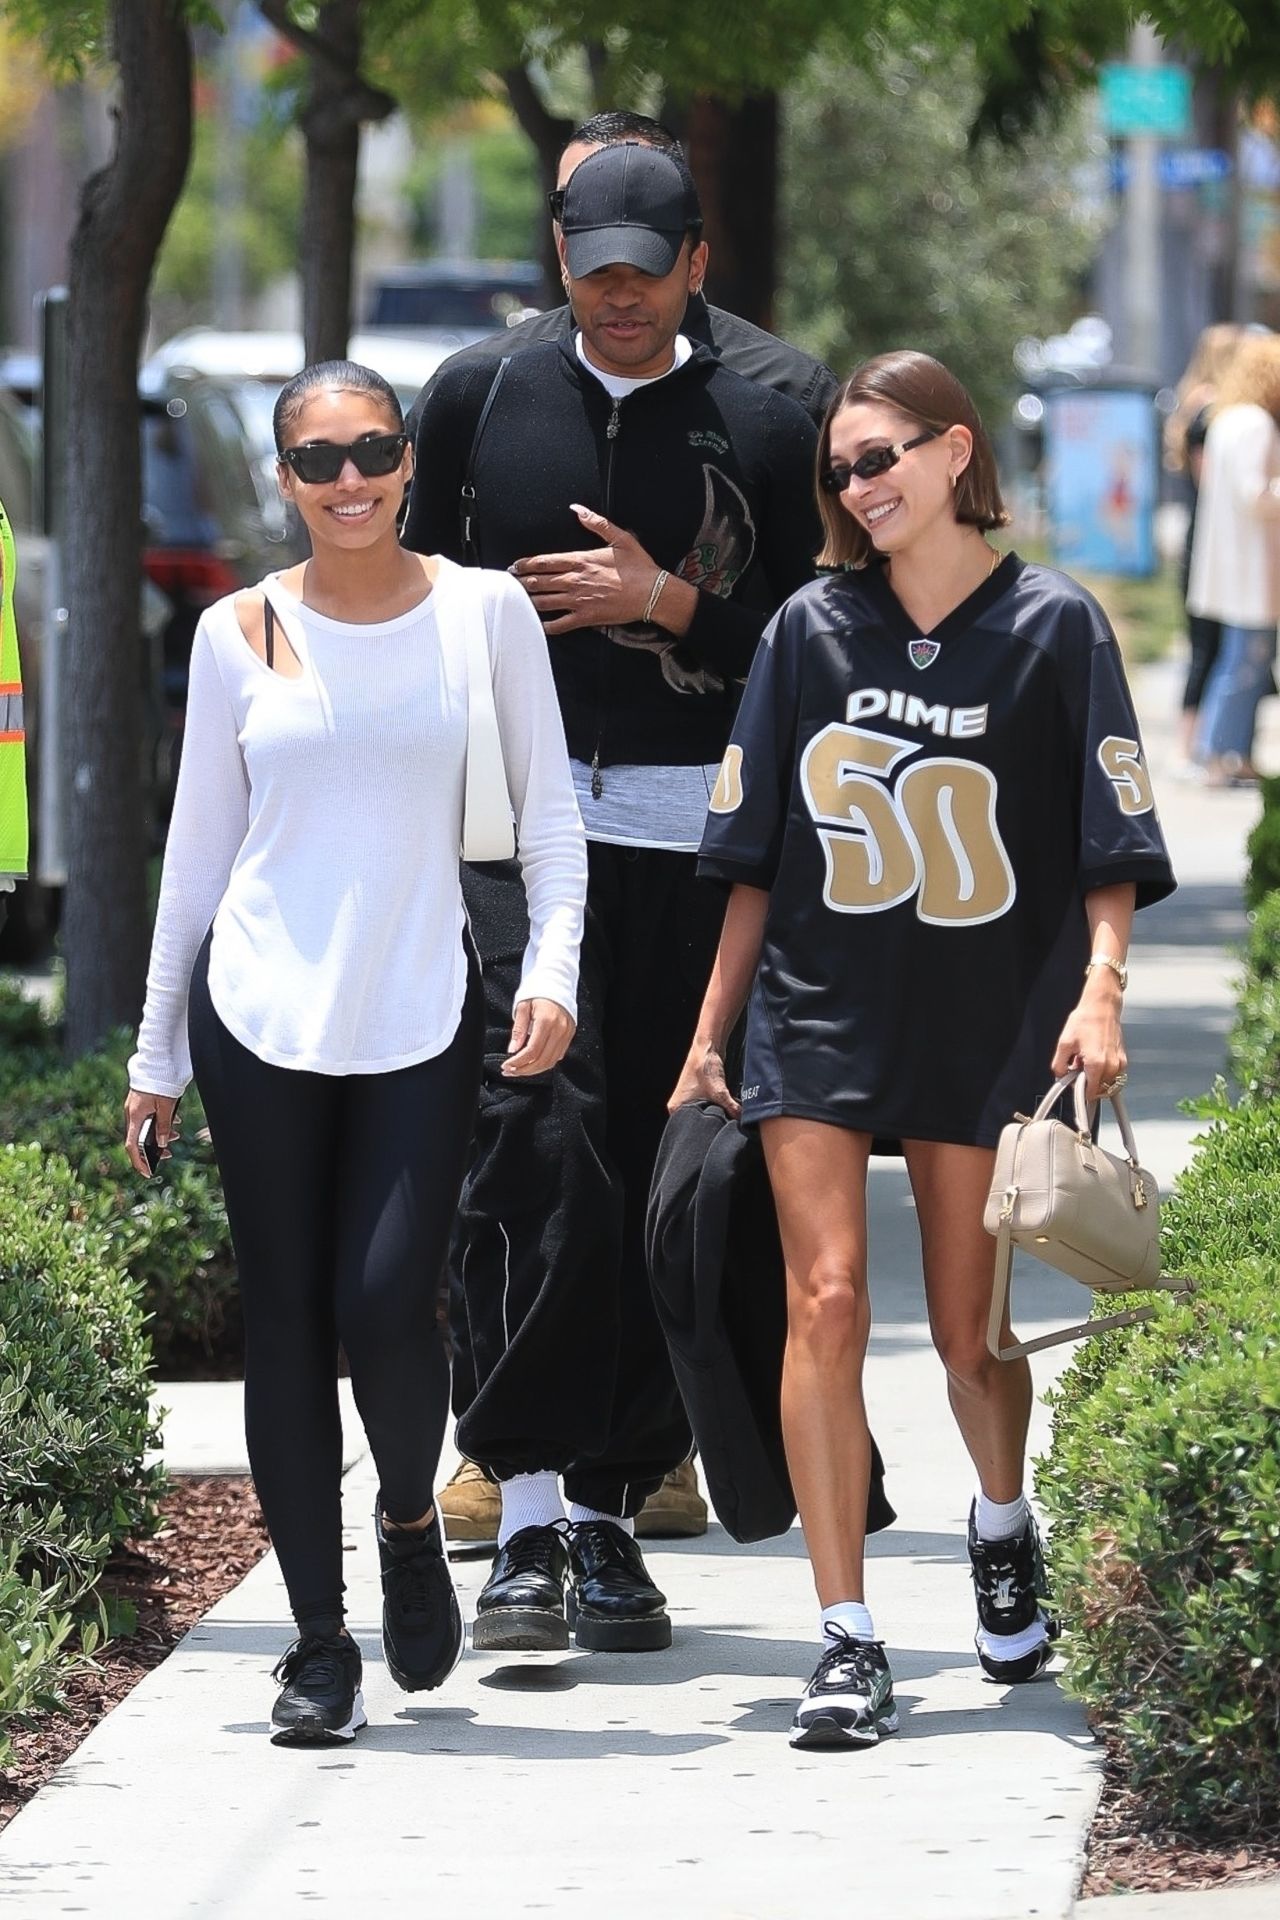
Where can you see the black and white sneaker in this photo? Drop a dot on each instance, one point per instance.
(422, 1632)
(320, 1703)
(1016, 1630)
(849, 1701)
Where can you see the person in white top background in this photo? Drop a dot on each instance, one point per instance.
(312, 962)
(1235, 556)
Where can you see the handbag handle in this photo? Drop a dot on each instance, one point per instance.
(1074, 1080)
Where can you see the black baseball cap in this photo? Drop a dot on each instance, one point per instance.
(627, 205)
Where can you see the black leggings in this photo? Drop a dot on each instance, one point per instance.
(341, 1192)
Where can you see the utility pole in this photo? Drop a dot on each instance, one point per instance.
(1142, 217)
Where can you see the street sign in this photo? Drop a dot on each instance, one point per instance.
(1179, 168)
(1146, 100)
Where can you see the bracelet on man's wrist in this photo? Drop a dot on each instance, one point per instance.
(655, 594)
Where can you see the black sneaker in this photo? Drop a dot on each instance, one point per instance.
(422, 1636)
(1009, 1584)
(849, 1701)
(614, 1606)
(520, 1608)
(320, 1703)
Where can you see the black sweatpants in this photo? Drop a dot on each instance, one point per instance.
(559, 1361)
(341, 1192)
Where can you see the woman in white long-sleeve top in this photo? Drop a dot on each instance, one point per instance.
(312, 963)
(1235, 556)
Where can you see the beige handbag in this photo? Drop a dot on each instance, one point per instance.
(1092, 1214)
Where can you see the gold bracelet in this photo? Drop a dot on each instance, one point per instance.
(1117, 967)
(655, 594)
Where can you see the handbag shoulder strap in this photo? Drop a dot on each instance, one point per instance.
(488, 831)
(467, 497)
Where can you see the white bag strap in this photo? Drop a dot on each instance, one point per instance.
(488, 828)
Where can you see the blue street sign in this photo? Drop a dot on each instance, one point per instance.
(1179, 168)
(1146, 100)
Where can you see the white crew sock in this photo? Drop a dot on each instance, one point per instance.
(528, 1500)
(1000, 1519)
(577, 1514)
(851, 1616)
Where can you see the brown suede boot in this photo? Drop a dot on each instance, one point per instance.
(677, 1511)
(471, 1506)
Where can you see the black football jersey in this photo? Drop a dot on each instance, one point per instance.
(927, 813)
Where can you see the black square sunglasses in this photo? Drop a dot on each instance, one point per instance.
(835, 479)
(317, 462)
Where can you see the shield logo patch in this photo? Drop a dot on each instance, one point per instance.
(924, 652)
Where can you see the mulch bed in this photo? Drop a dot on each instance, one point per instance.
(212, 1534)
(1127, 1855)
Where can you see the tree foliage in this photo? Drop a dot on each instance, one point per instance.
(899, 233)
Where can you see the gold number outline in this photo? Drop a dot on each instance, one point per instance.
(1130, 781)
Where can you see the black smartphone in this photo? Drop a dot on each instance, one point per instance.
(148, 1145)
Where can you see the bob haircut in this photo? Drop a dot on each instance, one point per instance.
(921, 389)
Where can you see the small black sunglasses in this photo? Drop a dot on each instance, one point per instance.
(316, 462)
(555, 200)
(878, 460)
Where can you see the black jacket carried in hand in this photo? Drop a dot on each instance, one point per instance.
(720, 1289)
(712, 474)
(744, 348)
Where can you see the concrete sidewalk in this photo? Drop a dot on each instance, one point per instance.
(674, 1789)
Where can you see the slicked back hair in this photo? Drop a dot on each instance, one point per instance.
(341, 376)
(613, 129)
(922, 389)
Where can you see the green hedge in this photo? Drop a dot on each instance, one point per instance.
(76, 1424)
(170, 1233)
(1263, 848)
(1162, 1484)
(1253, 1047)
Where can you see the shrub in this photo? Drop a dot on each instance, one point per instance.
(1173, 1585)
(1263, 848)
(1162, 1482)
(75, 1415)
(1254, 1043)
(170, 1233)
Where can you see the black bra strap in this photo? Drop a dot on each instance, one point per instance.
(269, 630)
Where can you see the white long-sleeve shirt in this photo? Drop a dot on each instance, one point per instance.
(1235, 552)
(316, 827)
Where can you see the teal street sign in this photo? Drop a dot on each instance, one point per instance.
(1146, 100)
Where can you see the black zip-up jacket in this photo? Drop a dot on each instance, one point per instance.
(743, 347)
(712, 474)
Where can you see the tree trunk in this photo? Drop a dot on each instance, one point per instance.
(548, 132)
(733, 151)
(331, 126)
(123, 215)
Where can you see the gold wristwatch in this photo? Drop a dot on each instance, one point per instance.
(1117, 967)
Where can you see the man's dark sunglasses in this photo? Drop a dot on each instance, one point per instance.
(878, 460)
(555, 200)
(316, 462)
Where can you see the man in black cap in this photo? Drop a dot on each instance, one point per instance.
(656, 507)
(748, 349)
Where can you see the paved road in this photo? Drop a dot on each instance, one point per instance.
(658, 1784)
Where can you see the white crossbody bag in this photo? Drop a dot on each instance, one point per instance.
(488, 820)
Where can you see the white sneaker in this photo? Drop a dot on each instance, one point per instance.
(849, 1701)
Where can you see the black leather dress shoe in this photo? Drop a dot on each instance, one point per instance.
(614, 1606)
(521, 1606)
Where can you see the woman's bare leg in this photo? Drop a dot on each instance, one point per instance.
(819, 1179)
(991, 1398)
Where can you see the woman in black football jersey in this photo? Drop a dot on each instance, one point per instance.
(936, 822)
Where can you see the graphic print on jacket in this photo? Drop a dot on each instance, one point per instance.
(723, 549)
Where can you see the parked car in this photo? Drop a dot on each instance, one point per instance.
(253, 367)
(472, 297)
(213, 521)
